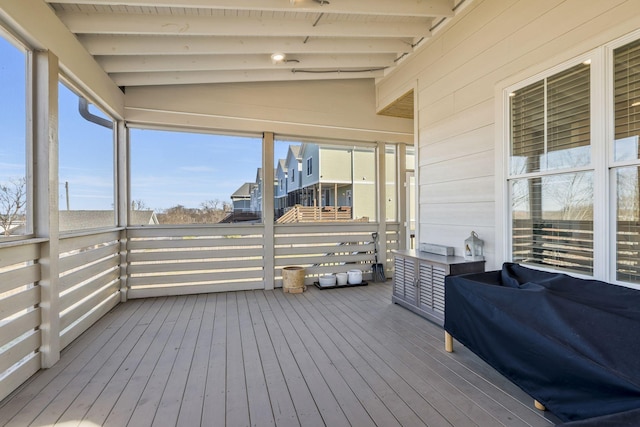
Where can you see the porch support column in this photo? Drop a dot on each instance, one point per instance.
(267, 209)
(402, 187)
(382, 204)
(45, 198)
(123, 197)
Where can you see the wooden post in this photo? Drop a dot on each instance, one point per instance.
(123, 202)
(335, 201)
(448, 342)
(45, 199)
(382, 204)
(267, 210)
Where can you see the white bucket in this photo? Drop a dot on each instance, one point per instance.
(354, 277)
(341, 278)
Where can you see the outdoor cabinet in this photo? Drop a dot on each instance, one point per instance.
(418, 280)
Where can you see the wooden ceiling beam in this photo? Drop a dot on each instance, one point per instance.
(106, 44)
(212, 77)
(421, 8)
(117, 23)
(161, 63)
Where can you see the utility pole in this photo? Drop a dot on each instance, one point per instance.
(66, 189)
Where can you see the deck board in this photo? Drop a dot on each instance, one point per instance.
(340, 357)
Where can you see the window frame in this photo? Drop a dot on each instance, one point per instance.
(309, 166)
(597, 164)
(505, 156)
(72, 86)
(603, 162)
(134, 126)
(29, 80)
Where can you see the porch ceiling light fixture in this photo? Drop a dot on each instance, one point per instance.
(278, 57)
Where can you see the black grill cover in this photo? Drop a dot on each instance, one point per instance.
(572, 344)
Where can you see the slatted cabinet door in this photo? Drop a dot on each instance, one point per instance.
(404, 282)
(431, 289)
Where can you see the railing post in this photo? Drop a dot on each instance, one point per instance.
(382, 204)
(267, 209)
(44, 171)
(123, 202)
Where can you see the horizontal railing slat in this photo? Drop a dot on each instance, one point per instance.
(196, 231)
(319, 259)
(191, 255)
(309, 227)
(19, 277)
(324, 249)
(74, 243)
(68, 335)
(18, 326)
(223, 241)
(81, 292)
(22, 348)
(18, 254)
(159, 291)
(166, 267)
(66, 319)
(175, 279)
(86, 257)
(20, 375)
(19, 301)
(324, 238)
(69, 280)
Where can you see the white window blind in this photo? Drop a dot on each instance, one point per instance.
(550, 123)
(626, 148)
(552, 210)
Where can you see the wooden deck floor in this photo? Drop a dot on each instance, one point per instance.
(332, 357)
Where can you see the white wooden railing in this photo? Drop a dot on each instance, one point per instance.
(89, 284)
(20, 336)
(97, 269)
(188, 260)
(323, 249)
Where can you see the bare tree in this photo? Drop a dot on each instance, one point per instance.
(138, 205)
(210, 205)
(13, 198)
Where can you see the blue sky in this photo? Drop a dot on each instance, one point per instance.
(167, 168)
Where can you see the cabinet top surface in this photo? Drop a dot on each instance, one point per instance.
(426, 256)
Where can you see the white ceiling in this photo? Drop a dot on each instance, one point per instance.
(159, 42)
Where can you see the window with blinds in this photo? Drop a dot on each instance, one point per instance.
(551, 177)
(550, 123)
(626, 87)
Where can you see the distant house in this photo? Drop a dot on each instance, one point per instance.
(281, 185)
(332, 177)
(326, 175)
(143, 217)
(293, 163)
(241, 199)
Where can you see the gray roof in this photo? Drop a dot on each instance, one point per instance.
(244, 191)
(295, 150)
(81, 219)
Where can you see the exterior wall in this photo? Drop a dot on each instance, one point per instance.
(335, 165)
(310, 151)
(281, 182)
(490, 44)
(293, 170)
(364, 188)
(390, 187)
